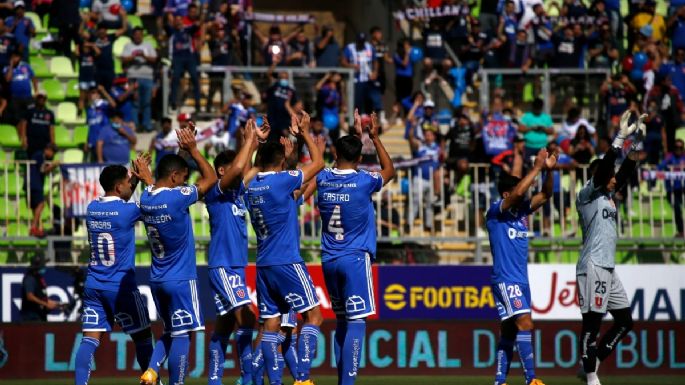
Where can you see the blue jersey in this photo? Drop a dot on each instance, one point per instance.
(273, 212)
(228, 244)
(170, 232)
(97, 118)
(347, 212)
(508, 232)
(111, 234)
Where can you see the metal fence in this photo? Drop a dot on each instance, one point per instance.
(441, 213)
(255, 78)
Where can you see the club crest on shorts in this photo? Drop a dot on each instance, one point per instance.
(598, 301)
(240, 293)
(517, 303)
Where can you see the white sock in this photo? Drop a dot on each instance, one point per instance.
(592, 378)
(597, 365)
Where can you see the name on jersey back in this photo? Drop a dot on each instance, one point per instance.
(99, 225)
(333, 197)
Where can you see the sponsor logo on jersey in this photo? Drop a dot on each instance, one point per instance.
(294, 173)
(186, 190)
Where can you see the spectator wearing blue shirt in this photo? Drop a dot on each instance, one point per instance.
(97, 117)
(104, 62)
(404, 70)
(676, 69)
(41, 165)
(280, 98)
(220, 47)
(86, 51)
(182, 54)
(326, 49)
(165, 143)
(22, 28)
(175, 8)
(115, 141)
(676, 25)
(329, 99)
(361, 57)
(22, 83)
(37, 127)
(8, 44)
(122, 91)
(675, 162)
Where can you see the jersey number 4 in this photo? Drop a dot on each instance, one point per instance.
(155, 243)
(103, 249)
(335, 224)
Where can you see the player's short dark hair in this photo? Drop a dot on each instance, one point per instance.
(170, 163)
(374, 29)
(137, 29)
(270, 154)
(224, 158)
(348, 148)
(111, 175)
(507, 182)
(166, 120)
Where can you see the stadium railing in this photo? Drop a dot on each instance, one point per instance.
(556, 87)
(419, 220)
(254, 79)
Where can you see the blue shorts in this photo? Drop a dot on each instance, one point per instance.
(511, 299)
(287, 320)
(228, 286)
(126, 307)
(349, 282)
(281, 288)
(178, 304)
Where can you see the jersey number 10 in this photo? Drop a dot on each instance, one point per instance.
(102, 249)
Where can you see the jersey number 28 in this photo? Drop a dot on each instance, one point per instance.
(514, 291)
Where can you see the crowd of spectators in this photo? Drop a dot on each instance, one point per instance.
(643, 50)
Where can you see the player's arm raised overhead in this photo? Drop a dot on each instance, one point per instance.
(310, 170)
(140, 170)
(387, 168)
(187, 142)
(519, 192)
(605, 169)
(543, 196)
(242, 159)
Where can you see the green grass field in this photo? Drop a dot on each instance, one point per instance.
(399, 380)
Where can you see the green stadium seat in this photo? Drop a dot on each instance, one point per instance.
(24, 210)
(63, 137)
(61, 67)
(72, 155)
(7, 209)
(19, 229)
(119, 45)
(680, 134)
(40, 67)
(73, 92)
(11, 184)
(80, 134)
(150, 39)
(6, 161)
(9, 137)
(67, 113)
(37, 23)
(134, 21)
(53, 88)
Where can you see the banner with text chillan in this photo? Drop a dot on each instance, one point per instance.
(656, 292)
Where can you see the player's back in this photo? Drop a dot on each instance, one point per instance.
(273, 212)
(228, 243)
(170, 231)
(347, 212)
(111, 233)
(597, 216)
(508, 233)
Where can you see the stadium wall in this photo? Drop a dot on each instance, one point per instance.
(392, 347)
(416, 292)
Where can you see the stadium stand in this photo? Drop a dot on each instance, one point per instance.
(466, 76)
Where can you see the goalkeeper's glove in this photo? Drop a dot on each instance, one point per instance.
(625, 130)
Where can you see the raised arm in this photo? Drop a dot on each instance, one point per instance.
(605, 169)
(543, 196)
(242, 158)
(387, 168)
(140, 169)
(310, 170)
(519, 192)
(186, 141)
